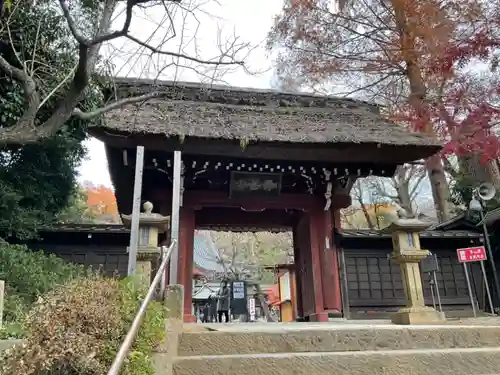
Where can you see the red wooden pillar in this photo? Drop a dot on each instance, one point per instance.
(309, 266)
(335, 214)
(330, 270)
(185, 264)
(304, 266)
(299, 274)
(316, 229)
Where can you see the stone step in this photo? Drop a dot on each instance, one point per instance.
(338, 340)
(472, 361)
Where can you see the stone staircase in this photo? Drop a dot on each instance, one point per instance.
(341, 350)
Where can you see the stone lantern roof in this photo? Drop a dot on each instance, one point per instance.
(406, 225)
(148, 218)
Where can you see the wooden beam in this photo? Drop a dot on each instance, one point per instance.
(234, 217)
(331, 152)
(204, 199)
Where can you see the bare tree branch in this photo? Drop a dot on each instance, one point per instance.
(31, 97)
(449, 168)
(182, 56)
(120, 103)
(417, 184)
(71, 23)
(88, 44)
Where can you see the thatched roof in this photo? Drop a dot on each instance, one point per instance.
(229, 113)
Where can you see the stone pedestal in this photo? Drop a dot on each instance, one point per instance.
(407, 253)
(148, 252)
(146, 257)
(418, 315)
(415, 311)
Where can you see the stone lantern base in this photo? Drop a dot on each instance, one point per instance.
(418, 315)
(146, 256)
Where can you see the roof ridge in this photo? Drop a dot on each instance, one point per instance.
(122, 81)
(267, 106)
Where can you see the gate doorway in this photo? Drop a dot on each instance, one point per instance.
(314, 254)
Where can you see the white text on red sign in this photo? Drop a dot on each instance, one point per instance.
(471, 254)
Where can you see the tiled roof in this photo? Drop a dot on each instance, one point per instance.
(206, 255)
(368, 233)
(206, 247)
(492, 216)
(86, 228)
(204, 292)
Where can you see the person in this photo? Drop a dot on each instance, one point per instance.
(206, 313)
(223, 297)
(212, 300)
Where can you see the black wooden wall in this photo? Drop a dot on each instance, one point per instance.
(101, 247)
(374, 284)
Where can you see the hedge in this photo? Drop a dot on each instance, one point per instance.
(77, 329)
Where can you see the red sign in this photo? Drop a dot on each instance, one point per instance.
(471, 254)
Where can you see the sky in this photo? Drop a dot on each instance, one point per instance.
(199, 33)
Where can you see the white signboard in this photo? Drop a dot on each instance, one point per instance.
(238, 290)
(251, 309)
(285, 288)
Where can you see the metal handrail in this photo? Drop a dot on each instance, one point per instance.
(134, 328)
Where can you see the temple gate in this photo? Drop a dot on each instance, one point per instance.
(256, 160)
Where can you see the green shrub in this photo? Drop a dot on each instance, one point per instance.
(15, 307)
(11, 330)
(151, 332)
(28, 275)
(78, 328)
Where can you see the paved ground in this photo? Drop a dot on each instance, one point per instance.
(485, 320)
(346, 324)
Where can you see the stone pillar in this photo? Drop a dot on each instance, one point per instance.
(148, 252)
(407, 253)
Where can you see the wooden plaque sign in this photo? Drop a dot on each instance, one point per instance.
(254, 185)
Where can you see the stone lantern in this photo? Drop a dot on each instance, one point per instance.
(148, 252)
(407, 253)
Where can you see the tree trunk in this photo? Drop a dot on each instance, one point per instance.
(440, 188)
(418, 92)
(368, 218)
(401, 183)
(471, 167)
(403, 191)
(476, 172)
(494, 174)
(377, 217)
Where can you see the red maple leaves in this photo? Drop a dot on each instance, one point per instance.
(480, 46)
(463, 102)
